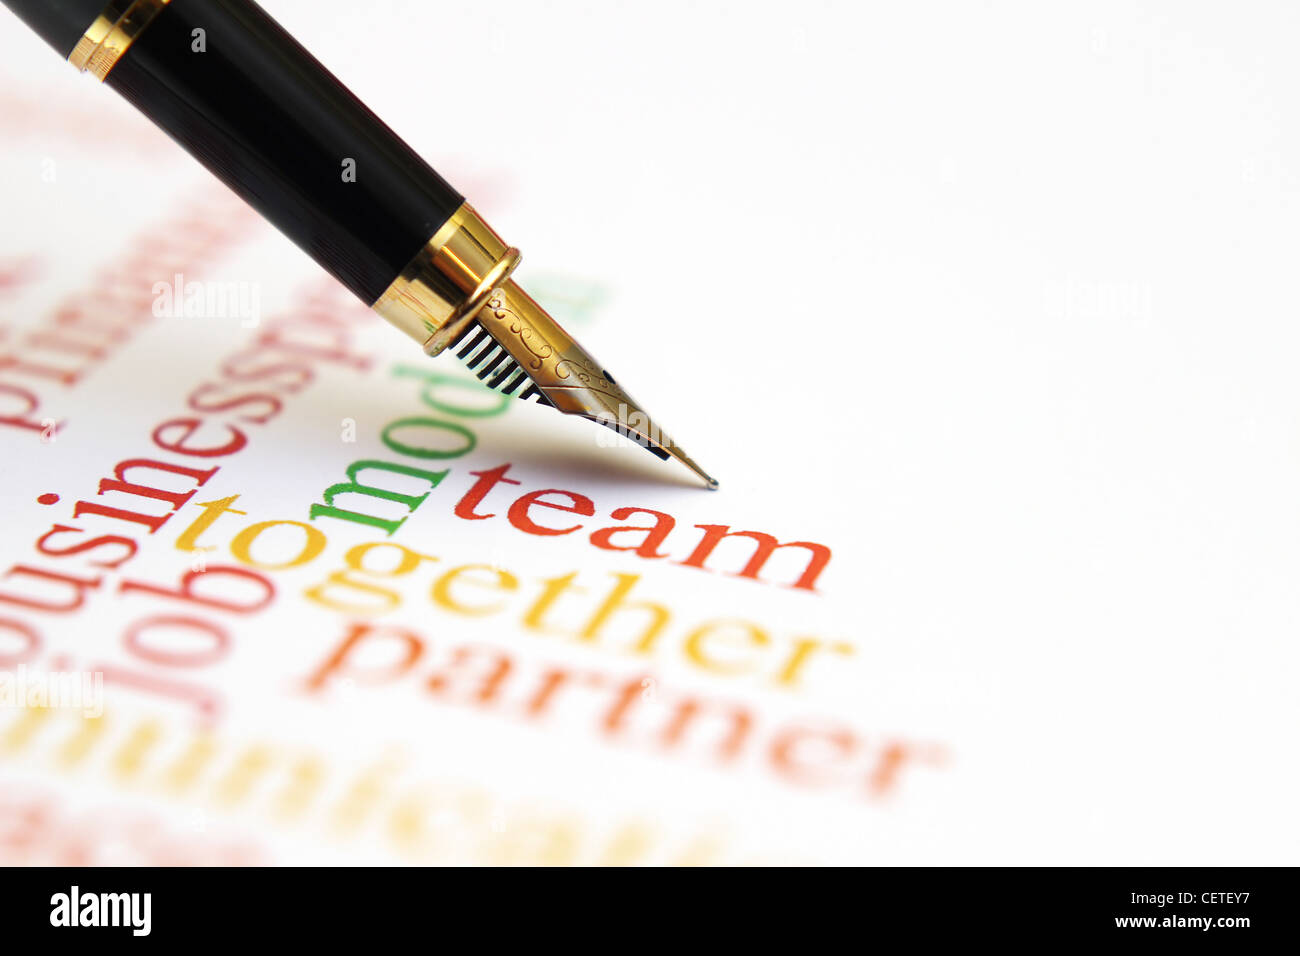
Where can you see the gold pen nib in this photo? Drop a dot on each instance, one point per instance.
(515, 347)
(456, 295)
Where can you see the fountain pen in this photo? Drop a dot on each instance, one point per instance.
(231, 86)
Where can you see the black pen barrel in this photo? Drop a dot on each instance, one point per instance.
(234, 89)
(60, 23)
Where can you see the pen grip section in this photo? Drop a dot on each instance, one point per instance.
(244, 98)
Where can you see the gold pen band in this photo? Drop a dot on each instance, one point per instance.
(112, 33)
(448, 281)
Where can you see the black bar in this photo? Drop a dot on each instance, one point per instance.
(867, 909)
